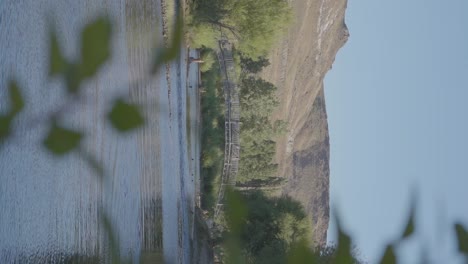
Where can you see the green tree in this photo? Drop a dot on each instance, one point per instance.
(254, 24)
(258, 101)
(254, 66)
(270, 227)
(209, 58)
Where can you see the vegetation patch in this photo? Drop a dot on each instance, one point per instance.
(258, 133)
(252, 25)
(212, 153)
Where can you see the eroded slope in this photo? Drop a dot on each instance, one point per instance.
(298, 67)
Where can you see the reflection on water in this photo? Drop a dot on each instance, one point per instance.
(50, 207)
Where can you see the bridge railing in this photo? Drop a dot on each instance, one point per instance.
(232, 123)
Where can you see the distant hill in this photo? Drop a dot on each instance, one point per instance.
(298, 66)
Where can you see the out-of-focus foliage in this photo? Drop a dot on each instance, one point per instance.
(276, 230)
(235, 215)
(409, 229)
(16, 103)
(125, 116)
(166, 54)
(267, 227)
(57, 63)
(389, 256)
(95, 46)
(300, 253)
(5, 123)
(462, 236)
(60, 140)
(260, 237)
(344, 249)
(95, 51)
(16, 98)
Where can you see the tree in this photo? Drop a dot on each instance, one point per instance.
(254, 24)
(254, 66)
(258, 101)
(209, 58)
(270, 227)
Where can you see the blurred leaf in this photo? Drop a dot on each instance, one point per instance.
(95, 46)
(300, 253)
(462, 237)
(236, 211)
(389, 256)
(17, 104)
(93, 163)
(16, 98)
(125, 117)
(111, 237)
(409, 229)
(5, 123)
(96, 166)
(60, 141)
(234, 254)
(165, 55)
(73, 77)
(57, 64)
(343, 251)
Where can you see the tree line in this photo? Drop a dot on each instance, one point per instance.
(253, 25)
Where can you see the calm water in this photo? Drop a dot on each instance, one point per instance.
(49, 206)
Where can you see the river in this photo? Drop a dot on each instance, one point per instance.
(49, 206)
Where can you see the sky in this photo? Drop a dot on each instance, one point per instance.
(396, 101)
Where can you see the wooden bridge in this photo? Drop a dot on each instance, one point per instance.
(232, 124)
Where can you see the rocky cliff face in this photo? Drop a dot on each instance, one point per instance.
(298, 66)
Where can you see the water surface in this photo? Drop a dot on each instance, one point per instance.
(50, 206)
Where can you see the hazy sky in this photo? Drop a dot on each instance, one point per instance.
(397, 106)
